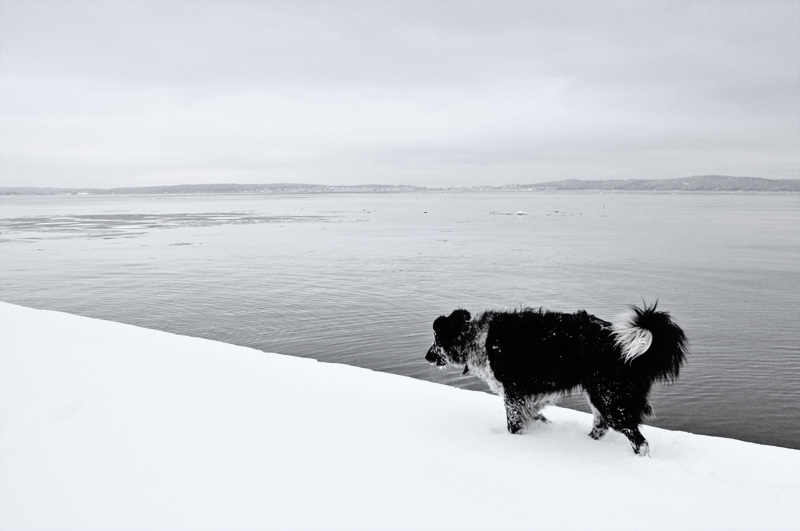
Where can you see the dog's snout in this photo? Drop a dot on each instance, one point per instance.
(431, 356)
(436, 356)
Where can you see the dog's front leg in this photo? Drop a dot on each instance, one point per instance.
(534, 408)
(515, 413)
(600, 427)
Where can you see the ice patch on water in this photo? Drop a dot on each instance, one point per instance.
(120, 225)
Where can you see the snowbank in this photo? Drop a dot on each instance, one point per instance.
(108, 426)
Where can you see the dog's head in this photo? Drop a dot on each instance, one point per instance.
(449, 337)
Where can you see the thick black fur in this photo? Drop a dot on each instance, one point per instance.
(532, 357)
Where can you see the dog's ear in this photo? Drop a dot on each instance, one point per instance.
(460, 318)
(441, 326)
(447, 328)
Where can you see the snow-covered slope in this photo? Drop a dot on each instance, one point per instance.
(108, 426)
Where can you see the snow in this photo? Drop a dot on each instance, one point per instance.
(109, 426)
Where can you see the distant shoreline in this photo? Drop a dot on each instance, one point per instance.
(4, 194)
(702, 183)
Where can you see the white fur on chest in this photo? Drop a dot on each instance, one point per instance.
(478, 363)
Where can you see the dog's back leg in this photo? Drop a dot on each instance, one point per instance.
(620, 408)
(639, 443)
(626, 424)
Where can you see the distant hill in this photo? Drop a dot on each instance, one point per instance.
(700, 183)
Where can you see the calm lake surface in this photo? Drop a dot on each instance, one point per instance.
(359, 278)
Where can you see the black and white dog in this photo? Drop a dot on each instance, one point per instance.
(532, 358)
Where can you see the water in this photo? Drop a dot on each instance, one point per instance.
(359, 278)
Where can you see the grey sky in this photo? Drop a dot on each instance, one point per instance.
(436, 93)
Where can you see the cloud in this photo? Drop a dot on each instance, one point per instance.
(126, 93)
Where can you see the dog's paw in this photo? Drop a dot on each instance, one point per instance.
(644, 450)
(597, 434)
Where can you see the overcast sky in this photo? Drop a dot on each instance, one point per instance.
(431, 93)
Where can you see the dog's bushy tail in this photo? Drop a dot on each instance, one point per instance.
(649, 341)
